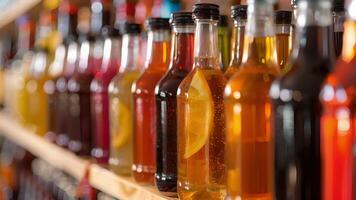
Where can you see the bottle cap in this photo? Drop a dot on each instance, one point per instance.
(283, 17)
(223, 21)
(338, 6)
(182, 18)
(206, 11)
(156, 23)
(109, 31)
(130, 28)
(239, 12)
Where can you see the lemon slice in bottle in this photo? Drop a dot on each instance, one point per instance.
(122, 127)
(199, 114)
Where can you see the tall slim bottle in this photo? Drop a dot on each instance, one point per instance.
(67, 29)
(338, 119)
(224, 43)
(120, 101)
(143, 93)
(99, 94)
(68, 14)
(297, 109)
(339, 15)
(284, 37)
(239, 15)
(166, 101)
(249, 155)
(200, 116)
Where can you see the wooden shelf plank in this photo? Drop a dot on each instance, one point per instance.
(119, 187)
(16, 9)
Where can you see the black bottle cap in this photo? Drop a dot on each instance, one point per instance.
(223, 21)
(206, 11)
(109, 31)
(156, 23)
(239, 12)
(130, 28)
(283, 17)
(338, 6)
(182, 18)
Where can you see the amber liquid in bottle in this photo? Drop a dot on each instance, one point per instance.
(297, 109)
(143, 93)
(284, 42)
(249, 150)
(338, 121)
(166, 105)
(201, 120)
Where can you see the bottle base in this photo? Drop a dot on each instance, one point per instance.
(143, 175)
(187, 192)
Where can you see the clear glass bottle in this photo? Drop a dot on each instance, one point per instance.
(296, 106)
(120, 101)
(166, 101)
(99, 94)
(339, 16)
(239, 15)
(248, 109)
(200, 116)
(224, 42)
(338, 119)
(284, 37)
(143, 93)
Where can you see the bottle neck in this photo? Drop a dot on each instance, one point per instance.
(238, 34)
(111, 55)
(130, 58)
(314, 30)
(57, 66)
(67, 25)
(260, 44)
(72, 58)
(182, 48)
(85, 64)
(338, 21)
(206, 46)
(101, 16)
(349, 46)
(158, 48)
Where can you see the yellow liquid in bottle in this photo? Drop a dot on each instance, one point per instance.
(248, 111)
(201, 134)
(121, 122)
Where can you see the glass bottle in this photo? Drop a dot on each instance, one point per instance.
(120, 101)
(294, 12)
(144, 161)
(99, 94)
(68, 14)
(284, 37)
(296, 107)
(79, 101)
(224, 43)
(200, 116)
(338, 12)
(248, 109)
(239, 15)
(67, 22)
(338, 119)
(166, 102)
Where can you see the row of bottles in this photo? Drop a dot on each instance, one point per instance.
(267, 121)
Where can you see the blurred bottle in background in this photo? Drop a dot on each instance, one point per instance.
(339, 15)
(224, 42)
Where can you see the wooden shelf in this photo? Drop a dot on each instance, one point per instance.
(104, 180)
(16, 9)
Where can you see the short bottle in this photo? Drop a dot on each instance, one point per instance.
(200, 116)
(143, 93)
(239, 15)
(181, 63)
(249, 156)
(284, 37)
(296, 106)
(224, 42)
(338, 119)
(339, 16)
(120, 101)
(99, 94)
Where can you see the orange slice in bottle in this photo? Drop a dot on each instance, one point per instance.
(122, 126)
(199, 114)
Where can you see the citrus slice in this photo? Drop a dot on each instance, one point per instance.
(122, 124)
(199, 114)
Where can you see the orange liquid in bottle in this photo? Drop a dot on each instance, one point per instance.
(143, 92)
